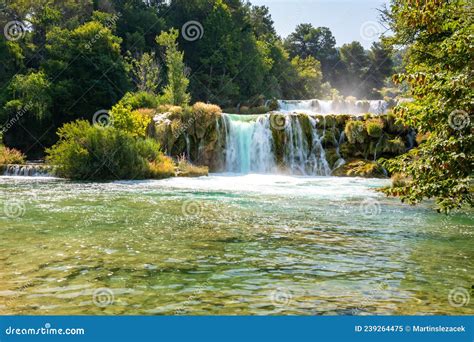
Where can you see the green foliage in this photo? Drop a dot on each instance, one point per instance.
(86, 152)
(145, 73)
(135, 122)
(32, 91)
(438, 72)
(140, 100)
(176, 91)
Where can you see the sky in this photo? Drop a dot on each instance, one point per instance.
(348, 20)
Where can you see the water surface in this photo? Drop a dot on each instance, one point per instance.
(227, 244)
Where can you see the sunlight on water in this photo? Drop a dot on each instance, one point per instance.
(227, 244)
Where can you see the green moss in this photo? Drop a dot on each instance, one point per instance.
(361, 168)
(394, 146)
(331, 156)
(374, 127)
(355, 131)
(329, 138)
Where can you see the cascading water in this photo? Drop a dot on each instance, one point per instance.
(325, 107)
(29, 170)
(250, 148)
(248, 143)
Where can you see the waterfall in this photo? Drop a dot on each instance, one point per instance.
(28, 170)
(250, 147)
(249, 144)
(324, 107)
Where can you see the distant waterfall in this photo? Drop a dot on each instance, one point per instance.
(323, 107)
(29, 170)
(250, 147)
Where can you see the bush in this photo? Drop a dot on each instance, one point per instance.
(135, 122)
(163, 167)
(140, 100)
(86, 152)
(374, 127)
(11, 156)
(186, 169)
(355, 132)
(201, 109)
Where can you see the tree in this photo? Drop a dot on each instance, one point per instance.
(381, 67)
(176, 91)
(316, 42)
(146, 72)
(353, 80)
(309, 83)
(438, 37)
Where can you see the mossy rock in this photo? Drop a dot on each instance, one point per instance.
(329, 138)
(361, 168)
(306, 126)
(374, 127)
(394, 146)
(331, 156)
(341, 120)
(355, 131)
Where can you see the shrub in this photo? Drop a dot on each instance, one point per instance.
(163, 167)
(86, 152)
(201, 109)
(374, 128)
(135, 122)
(11, 156)
(355, 132)
(140, 100)
(186, 169)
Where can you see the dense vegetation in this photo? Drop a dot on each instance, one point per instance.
(66, 60)
(439, 75)
(123, 61)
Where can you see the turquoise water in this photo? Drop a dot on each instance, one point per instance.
(228, 244)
